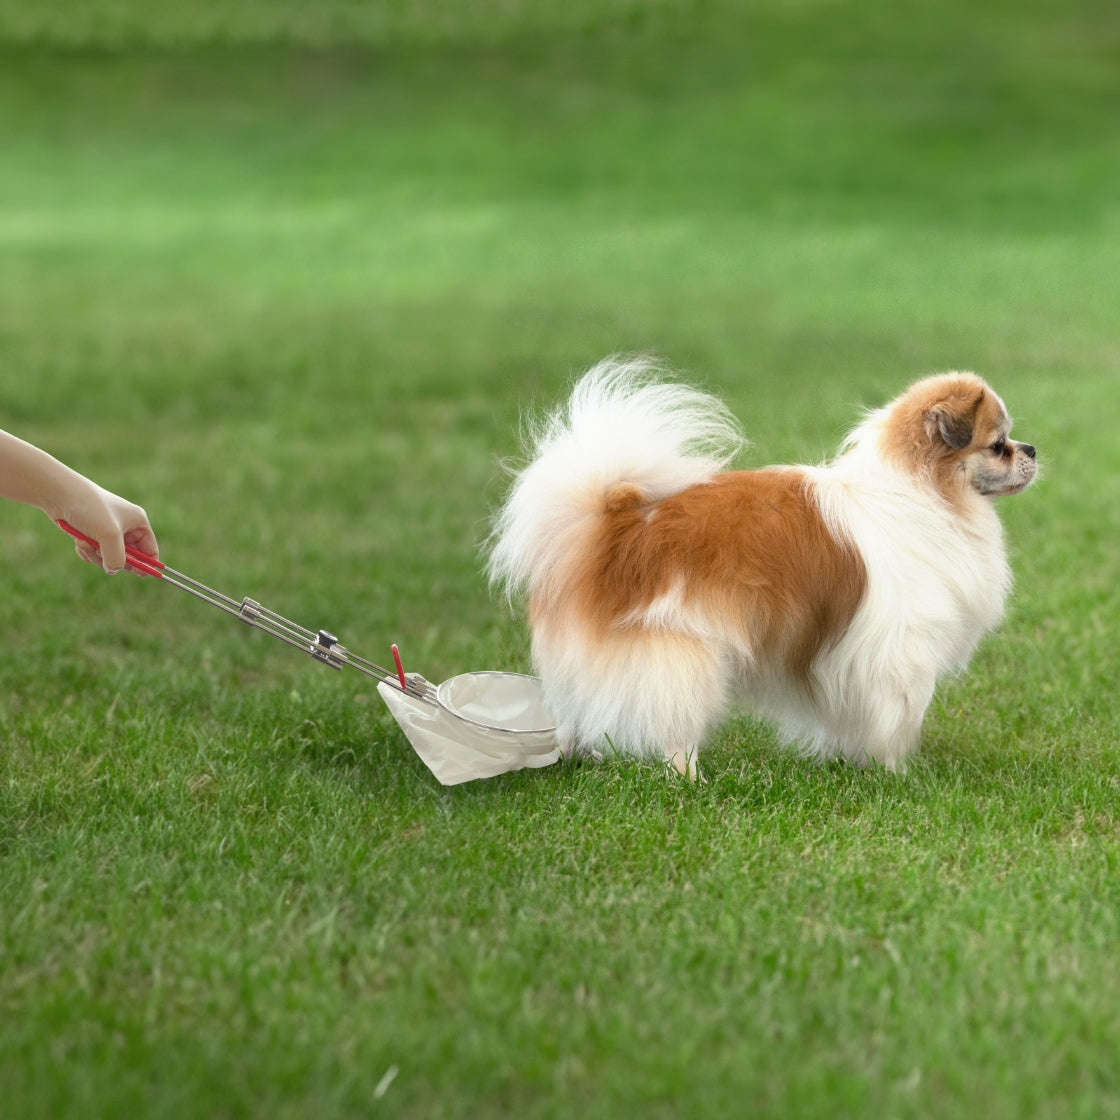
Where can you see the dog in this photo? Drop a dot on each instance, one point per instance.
(830, 599)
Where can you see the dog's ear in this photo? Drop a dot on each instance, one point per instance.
(953, 420)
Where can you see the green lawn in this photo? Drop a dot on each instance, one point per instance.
(289, 283)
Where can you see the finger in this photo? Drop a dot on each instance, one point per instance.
(88, 553)
(112, 554)
(142, 538)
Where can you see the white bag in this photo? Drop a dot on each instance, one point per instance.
(478, 725)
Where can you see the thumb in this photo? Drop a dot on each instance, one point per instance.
(112, 551)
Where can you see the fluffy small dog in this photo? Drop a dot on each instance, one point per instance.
(830, 599)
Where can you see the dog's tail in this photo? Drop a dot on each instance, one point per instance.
(622, 425)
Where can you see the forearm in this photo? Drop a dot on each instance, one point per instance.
(29, 475)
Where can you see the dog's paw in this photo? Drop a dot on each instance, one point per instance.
(685, 764)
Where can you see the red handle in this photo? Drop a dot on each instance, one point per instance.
(141, 561)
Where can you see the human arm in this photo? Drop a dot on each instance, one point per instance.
(29, 475)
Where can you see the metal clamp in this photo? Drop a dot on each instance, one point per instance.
(250, 611)
(326, 649)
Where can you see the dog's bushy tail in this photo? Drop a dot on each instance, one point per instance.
(622, 424)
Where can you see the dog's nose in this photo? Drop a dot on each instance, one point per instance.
(1026, 449)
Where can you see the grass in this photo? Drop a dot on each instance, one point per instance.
(290, 289)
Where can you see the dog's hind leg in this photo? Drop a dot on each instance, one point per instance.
(679, 687)
(642, 693)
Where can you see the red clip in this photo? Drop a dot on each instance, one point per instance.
(400, 667)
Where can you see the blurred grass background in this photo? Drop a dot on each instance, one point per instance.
(287, 275)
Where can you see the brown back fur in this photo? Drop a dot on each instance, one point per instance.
(749, 551)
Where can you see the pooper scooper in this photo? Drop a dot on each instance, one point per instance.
(473, 725)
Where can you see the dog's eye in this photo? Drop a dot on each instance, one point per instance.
(1000, 446)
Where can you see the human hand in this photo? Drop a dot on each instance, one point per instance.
(111, 521)
(30, 475)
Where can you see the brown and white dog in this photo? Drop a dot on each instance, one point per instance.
(830, 599)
